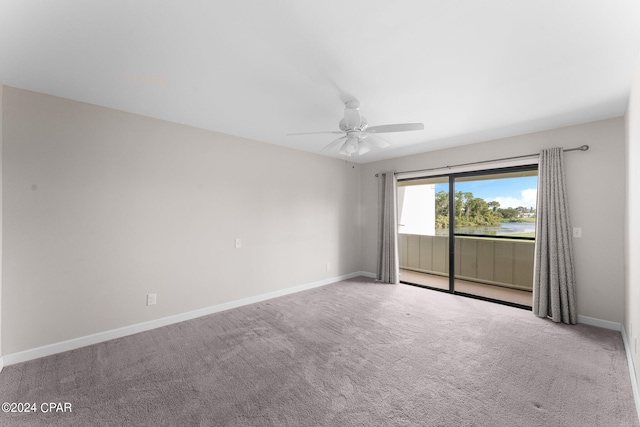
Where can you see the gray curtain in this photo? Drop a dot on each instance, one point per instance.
(388, 270)
(554, 277)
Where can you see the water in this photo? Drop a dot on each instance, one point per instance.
(504, 229)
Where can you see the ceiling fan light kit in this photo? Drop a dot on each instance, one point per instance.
(359, 137)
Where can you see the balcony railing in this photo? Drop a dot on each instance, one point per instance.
(495, 261)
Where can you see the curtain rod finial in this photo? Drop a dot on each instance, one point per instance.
(583, 148)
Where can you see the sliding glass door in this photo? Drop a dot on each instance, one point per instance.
(470, 233)
(423, 232)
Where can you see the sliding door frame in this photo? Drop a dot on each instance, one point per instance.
(452, 237)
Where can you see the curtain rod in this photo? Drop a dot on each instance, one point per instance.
(581, 148)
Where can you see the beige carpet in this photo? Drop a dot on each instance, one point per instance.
(352, 353)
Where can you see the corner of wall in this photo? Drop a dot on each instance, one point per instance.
(631, 228)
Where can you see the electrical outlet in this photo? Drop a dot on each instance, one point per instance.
(328, 266)
(151, 299)
(577, 232)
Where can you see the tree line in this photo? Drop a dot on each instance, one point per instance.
(473, 211)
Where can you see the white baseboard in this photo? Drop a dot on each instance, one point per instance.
(632, 370)
(367, 274)
(47, 350)
(606, 324)
(1, 363)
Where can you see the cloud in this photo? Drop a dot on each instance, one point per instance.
(527, 199)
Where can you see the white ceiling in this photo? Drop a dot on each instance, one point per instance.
(469, 70)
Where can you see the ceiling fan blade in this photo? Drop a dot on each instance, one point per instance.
(400, 127)
(334, 143)
(335, 132)
(377, 142)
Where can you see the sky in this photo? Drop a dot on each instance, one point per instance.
(509, 192)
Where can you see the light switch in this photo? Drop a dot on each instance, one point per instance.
(577, 232)
(151, 299)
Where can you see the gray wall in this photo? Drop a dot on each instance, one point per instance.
(102, 207)
(596, 180)
(632, 224)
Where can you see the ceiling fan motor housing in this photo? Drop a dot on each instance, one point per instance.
(343, 125)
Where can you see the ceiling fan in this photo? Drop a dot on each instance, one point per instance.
(359, 138)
